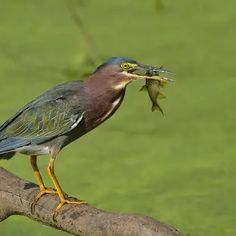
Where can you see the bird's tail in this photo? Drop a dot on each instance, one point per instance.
(9, 145)
(7, 155)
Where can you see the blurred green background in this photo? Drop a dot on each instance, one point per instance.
(179, 169)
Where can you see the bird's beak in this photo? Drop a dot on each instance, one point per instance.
(141, 71)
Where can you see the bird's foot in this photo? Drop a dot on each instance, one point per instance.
(40, 194)
(70, 200)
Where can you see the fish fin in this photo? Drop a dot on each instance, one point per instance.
(156, 107)
(144, 88)
(161, 96)
(163, 83)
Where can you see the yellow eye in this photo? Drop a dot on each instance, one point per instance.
(125, 66)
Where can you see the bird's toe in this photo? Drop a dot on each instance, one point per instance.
(70, 200)
(41, 193)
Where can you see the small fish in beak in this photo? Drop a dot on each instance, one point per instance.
(153, 86)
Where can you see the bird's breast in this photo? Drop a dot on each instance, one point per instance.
(101, 108)
(114, 106)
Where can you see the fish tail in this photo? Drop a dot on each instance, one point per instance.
(156, 107)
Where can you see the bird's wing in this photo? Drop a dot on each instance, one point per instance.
(40, 121)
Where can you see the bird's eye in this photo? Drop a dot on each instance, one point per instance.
(125, 66)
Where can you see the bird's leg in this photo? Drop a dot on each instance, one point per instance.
(42, 189)
(61, 194)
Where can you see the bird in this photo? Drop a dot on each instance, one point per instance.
(66, 112)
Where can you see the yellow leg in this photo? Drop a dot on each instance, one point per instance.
(42, 188)
(58, 188)
(33, 161)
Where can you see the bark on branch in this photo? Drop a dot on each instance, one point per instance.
(16, 196)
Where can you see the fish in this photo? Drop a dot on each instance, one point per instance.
(152, 86)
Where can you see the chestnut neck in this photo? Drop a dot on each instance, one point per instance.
(103, 99)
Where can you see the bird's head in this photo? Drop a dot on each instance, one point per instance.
(120, 71)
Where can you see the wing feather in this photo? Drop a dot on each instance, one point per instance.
(50, 115)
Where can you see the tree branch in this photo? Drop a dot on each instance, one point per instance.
(16, 196)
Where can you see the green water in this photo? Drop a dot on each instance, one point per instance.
(179, 169)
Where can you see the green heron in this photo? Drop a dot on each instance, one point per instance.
(65, 113)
